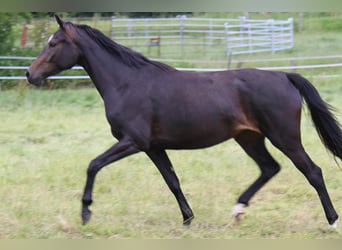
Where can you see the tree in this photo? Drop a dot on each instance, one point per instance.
(7, 21)
(155, 14)
(6, 36)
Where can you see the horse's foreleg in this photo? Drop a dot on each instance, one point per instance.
(161, 160)
(120, 150)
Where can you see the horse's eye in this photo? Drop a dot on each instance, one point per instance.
(52, 44)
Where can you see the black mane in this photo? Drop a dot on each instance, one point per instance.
(128, 56)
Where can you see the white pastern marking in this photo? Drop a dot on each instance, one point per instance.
(238, 209)
(334, 225)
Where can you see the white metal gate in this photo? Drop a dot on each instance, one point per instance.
(228, 36)
(253, 36)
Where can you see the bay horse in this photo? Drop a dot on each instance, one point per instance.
(152, 107)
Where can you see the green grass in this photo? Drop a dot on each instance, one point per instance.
(47, 139)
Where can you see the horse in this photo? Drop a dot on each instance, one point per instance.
(152, 107)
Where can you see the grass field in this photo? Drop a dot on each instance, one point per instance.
(47, 139)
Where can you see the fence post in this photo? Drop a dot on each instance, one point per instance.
(291, 31)
(147, 27)
(293, 65)
(242, 28)
(250, 47)
(226, 30)
(300, 22)
(24, 36)
(181, 32)
(112, 27)
(211, 31)
(129, 27)
(271, 30)
(229, 60)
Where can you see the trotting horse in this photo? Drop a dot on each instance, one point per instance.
(152, 107)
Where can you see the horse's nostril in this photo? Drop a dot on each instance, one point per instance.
(27, 74)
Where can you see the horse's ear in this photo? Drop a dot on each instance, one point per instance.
(60, 22)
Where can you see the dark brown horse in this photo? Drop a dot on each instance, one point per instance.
(152, 107)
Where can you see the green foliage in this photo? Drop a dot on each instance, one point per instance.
(331, 24)
(6, 35)
(40, 32)
(154, 14)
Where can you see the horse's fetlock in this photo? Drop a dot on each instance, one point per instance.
(87, 202)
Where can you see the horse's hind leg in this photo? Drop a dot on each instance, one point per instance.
(313, 174)
(254, 145)
(287, 139)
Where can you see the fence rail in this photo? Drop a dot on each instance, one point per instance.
(21, 76)
(236, 36)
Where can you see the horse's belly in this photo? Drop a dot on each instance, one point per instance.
(196, 137)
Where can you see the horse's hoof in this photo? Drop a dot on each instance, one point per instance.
(187, 222)
(239, 211)
(239, 217)
(86, 215)
(334, 225)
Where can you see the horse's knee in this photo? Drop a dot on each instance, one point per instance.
(92, 168)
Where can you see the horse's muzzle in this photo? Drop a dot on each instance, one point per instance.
(33, 80)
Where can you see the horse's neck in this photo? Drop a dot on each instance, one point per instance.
(108, 73)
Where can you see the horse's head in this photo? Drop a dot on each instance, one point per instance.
(59, 54)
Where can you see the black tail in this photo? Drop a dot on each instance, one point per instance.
(326, 124)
